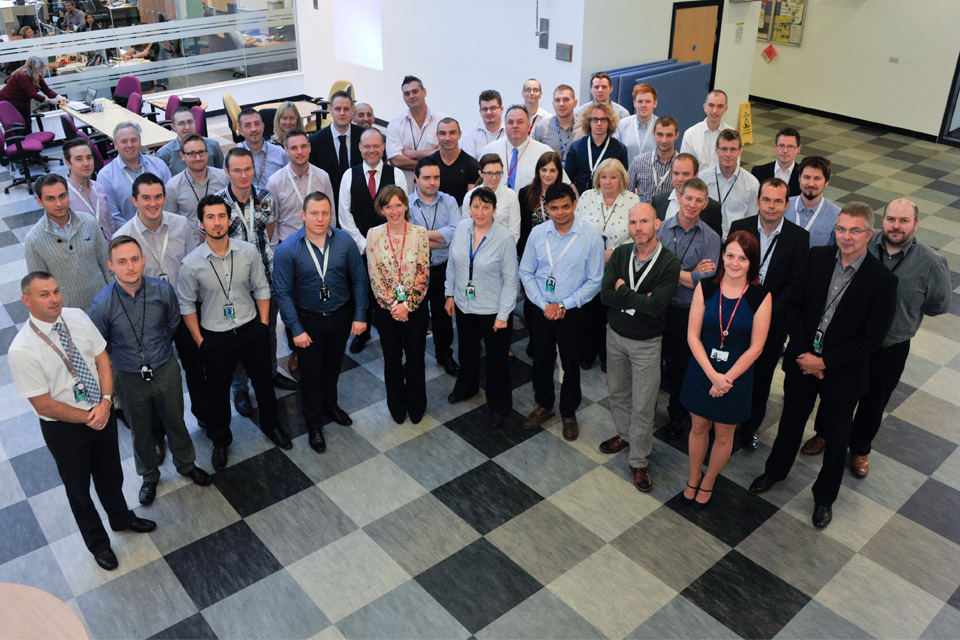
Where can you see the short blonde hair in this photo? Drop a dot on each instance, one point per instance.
(613, 120)
(286, 106)
(611, 165)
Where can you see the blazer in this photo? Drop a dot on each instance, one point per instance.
(763, 171)
(712, 216)
(323, 154)
(857, 329)
(785, 263)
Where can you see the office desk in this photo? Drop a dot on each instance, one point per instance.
(27, 612)
(152, 134)
(160, 104)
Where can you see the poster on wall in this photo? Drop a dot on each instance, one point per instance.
(787, 25)
(766, 19)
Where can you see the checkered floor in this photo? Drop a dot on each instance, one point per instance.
(445, 529)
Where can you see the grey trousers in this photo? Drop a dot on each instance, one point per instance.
(165, 393)
(633, 374)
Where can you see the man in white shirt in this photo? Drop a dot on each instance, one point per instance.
(600, 87)
(729, 184)
(85, 194)
(636, 131)
(292, 184)
(532, 92)
(561, 131)
(701, 138)
(518, 153)
(412, 135)
(785, 166)
(187, 188)
(489, 128)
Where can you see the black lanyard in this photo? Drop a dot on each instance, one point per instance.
(206, 191)
(902, 254)
(143, 320)
(226, 292)
(732, 185)
(436, 205)
(676, 241)
(473, 254)
(835, 298)
(769, 250)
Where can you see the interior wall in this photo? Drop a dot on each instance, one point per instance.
(843, 65)
(735, 58)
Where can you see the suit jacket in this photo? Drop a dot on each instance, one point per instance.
(784, 266)
(323, 154)
(859, 323)
(763, 171)
(712, 216)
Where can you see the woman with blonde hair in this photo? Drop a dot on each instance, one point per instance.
(286, 119)
(26, 84)
(598, 122)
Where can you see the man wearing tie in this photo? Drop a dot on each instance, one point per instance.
(337, 148)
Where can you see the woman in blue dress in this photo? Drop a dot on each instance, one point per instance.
(729, 320)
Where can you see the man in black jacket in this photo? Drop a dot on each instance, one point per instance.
(783, 248)
(337, 148)
(837, 317)
(785, 166)
(686, 166)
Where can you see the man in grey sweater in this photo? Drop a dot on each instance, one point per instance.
(68, 244)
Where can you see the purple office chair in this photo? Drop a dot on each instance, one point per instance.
(135, 103)
(200, 117)
(20, 150)
(126, 85)
(11, 120)
(172, 103)
(100, 143)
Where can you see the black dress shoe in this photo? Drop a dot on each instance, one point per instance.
(139, 525)
(763, 484)
(107, 559)
(317, 443)
(497, 421)
(148, 492)
(242, 402)
(339, 416)
(674, 429)
(219, 458)
(200, 477)
(455, 397)
(279, 438)
(358, 344)
(416, 416)
(749, 440)
(822, 516)
(451, 367)
(398, 416)
(281, 381)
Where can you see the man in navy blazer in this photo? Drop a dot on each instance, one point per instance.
(785, 166)
(325, 145)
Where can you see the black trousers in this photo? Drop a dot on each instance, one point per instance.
(549, 337)
(676, 349)
(799, 395)
(442, 323)
(594, 332)
(192, 369)
(403, 345)
(220, 351)
(82, 454)
(471, 328)
(763, 369)
(320, 363)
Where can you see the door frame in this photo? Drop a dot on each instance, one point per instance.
(691, 4)
(952, 99)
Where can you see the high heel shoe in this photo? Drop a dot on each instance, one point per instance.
(688, 501)
(700, 506)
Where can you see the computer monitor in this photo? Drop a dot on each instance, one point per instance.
(90, 96)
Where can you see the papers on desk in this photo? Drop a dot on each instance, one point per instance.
(79, 107)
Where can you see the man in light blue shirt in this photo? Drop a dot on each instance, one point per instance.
(811, 210)
(267, 158)
(118, 176)
(561, 270)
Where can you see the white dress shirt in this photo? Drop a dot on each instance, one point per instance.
(541, 115)
(508, 208)
(637, 138)
(288, 191)
(737, 196)
(403, 133)
(783, 175)
(344, 215)
(527, 155)
(673, 205)
(474, 140)
(165, 248)
(765, 245)
(702, 142)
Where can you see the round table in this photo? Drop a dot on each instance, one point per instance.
(27, 613)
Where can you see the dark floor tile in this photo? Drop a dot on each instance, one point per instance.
(348, 364)
(930, 172)
(901, 393)
(478, 584)
(732, 514)
(839, 182)
(473, 426)
(261, 481)
(876, 205)
(945, 187)
(907, 157)
(26, 219)
(915, 447)
(17, 311)
(520, 373)
(21, 531)
(889, 143)
(935, 506)
(8, 238)
(487, 496)
(37, 471)
(194, 627)
(6, 337)
(746, 597)
(954, 600)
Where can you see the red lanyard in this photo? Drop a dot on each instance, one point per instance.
(402, 245)
(50, 343)
(725, 332)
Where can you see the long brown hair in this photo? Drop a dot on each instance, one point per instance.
(751, 249)
(536, 185)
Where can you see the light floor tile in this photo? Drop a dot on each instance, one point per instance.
(371, 489)
(817, 622)
(856, 518)
(406, 612)
(133, 551)
(187, 515)
(545, 463)
(680, 619)
(603, 503)
(542, 615)
(929, 412)
(375, 424)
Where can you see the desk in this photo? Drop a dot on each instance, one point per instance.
(152, 135)
(161, 104)
(28, 613)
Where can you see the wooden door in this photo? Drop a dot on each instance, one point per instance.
(695, 30)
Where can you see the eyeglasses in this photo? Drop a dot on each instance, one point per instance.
(787, 147)
(492, 174)
(489, 109)
(855, 232)
(531, 90)
(194, 154)
(241, 170)
(599, 120)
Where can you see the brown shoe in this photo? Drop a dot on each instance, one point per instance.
(642, 479)
(537, 417)
(813, 446)
(570, 429)
(292, 364)
(161, 450)
(615, 444)
(859, 465)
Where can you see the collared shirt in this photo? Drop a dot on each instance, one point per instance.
(261, 209)
(621, 111)
(344, 214)
(476, 138)
(508, 208)
(537, 117)
(737, 194)
(702, 142)
(819, 225)
(558, 138)
(673, 205)
(577, 274)
(691, 246)
(297, 282)
(266, 162)
(456, 178)
(635, 136)
(148, 319)
(767, 243)
(495, 279)
(839, 283)
(783, 175)
(117, 178)
(348, 137)
(170, 154)
(404, 133)
(613, 223)
(37, 369)
(441, 215)
(206, 278)
(527, 155)
(649, 177)
(923, 286)
(184, 193)
(174, 231)
(288, 191)
(93, 200)
(73, 21)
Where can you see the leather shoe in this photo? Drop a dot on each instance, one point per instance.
(200, 477)
(451, 367)
(293, 364)
(358, 343)
(571, 430)
(859, 465)
(537, 417)
(281, 381)
(279, 438)
(813, 446)
(139, 525)
(317, 443)
(339, 416)
(455, 397)
(161, 450)
(416, 416)
(674, 429)
(586, 365)
(497, 421)
(616, 444)
(219, 458)
(822, 516)
(107, 559)
(148, 492)
(642, 479)
(242, 403)
(750, 440)
(398, 416)
(762, 484)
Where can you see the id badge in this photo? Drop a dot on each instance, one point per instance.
(164, 277)
(818, 340)
(401, 293)
(719, 356)
(324, 293)
(629, 312)
(551, 284)
(229, 312)
(79, 392)
(146, 373)
(471, 292)
(604, 242)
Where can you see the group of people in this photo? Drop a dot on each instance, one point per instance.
(624, 249)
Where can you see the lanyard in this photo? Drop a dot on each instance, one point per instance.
(656, 254)
(163, 247)
(646, 135)
(263, 163)
(143, 320)
(902, 254)
(732, 185)
(50, 343)
(413, 138)
(226, 292)
(607, 216)
(796, 209)
(593, 165)
(402, 245)
(564, 142)
(766, 254)
(835, 298)
(533, 122)
(725, 332)
(293, 183)
(487, 136)
(248, 227)
(326, 259)
(473, 254)
(77, 193)
(206, 191)
(513, 167)
(658, 180)
(140, 169)
(436, 204)
(550, 251)
(676, 241)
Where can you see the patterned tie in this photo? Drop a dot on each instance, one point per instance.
(90, 383)
(512, 169)
(372, 183)
(344, 162)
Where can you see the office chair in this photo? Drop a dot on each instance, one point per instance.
(125, 86)
(13, 125)
(268, 115)
(200, 117)
(232, 107)
(18, 150)
(322, 113)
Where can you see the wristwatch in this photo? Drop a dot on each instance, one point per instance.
(562, 306)
(108, 397)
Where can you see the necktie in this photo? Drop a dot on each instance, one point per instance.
(512, 169)
(344, 162)
(372, 183)
(90, 384)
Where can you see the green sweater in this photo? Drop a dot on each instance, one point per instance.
(650, 318)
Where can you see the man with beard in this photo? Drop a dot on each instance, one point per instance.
(811, 210)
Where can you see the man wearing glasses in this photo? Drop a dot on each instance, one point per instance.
(532, 92)
(518, 152)
(198, 179)
(184, 125)
(785, 166)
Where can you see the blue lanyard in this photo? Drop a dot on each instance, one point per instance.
(473, 253)
(564, 144)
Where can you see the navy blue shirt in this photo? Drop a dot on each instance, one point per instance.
(296, 282)
(120, 320)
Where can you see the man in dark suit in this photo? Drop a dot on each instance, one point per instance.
(785, 166)
(783, 248)
(337, 148)
(837, 317)
(686, 166)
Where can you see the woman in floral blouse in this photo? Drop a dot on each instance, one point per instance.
(398, 260)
